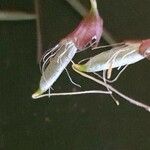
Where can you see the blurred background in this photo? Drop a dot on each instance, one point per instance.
(83, 122)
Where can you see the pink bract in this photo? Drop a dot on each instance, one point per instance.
(89, 30)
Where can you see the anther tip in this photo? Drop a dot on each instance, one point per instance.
(36, 94)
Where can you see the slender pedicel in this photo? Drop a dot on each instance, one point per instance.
(73, 93)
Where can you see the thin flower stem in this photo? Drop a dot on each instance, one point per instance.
(73, 93)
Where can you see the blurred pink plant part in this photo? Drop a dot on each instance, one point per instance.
(82, 10)
(89, 31)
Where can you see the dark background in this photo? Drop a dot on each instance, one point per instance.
(84, 122)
